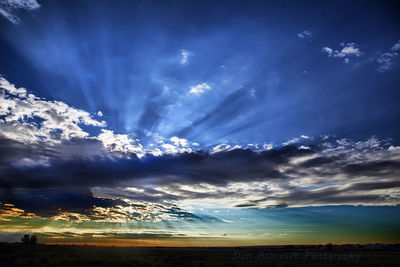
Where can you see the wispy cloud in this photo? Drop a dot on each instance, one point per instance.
(304, 34)
(8, 8)
(387, 60)
(185, 56)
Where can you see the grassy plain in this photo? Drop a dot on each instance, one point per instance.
(61, 255)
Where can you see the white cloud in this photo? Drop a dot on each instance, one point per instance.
(348, 50)
(179, 141)
(328, 50)
(31, 120)
(185, 56)
(237, 147)
(304, 34)
(28, 118)
(268, 146)
(291, 141)
(199, 89)
(155, 152)
(170, 149)
(220, 148)
(387, 60)
(178, 145)
(9, 7)
(120, 142)
(123, 143)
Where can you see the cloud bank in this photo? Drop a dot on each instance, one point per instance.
(43, 146)
(338, 172)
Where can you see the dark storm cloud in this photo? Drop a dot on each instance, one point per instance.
(69, 165)
(331, 195)
(49, 202)
(374, 185)
(245, 205)
(373, 168)
(12, 150)
(320, 161)
(316, 174)
(78, 202)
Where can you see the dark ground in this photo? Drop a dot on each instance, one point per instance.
(57, 255)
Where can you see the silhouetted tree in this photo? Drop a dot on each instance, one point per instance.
(29, 239)
(26, 239)
(33, 240)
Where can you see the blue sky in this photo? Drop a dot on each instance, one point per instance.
(124, 59)
(240, 104)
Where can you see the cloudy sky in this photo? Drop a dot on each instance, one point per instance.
(207, 123)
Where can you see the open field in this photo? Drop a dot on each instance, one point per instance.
(58, 255)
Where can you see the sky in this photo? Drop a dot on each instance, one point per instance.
(200, 123)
